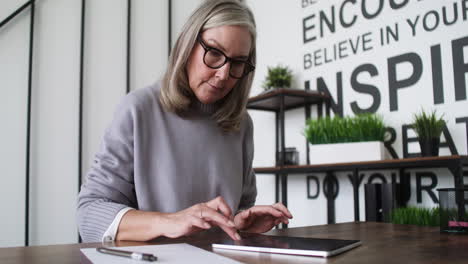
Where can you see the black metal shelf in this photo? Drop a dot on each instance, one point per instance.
(420, 162)
(293, 98)
(454, 163)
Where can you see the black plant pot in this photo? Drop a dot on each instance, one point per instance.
(429, 146)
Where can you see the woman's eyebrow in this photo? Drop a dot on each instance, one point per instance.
(219, 46)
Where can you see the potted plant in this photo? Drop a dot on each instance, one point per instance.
(428, 127)
(346, 139)
(277, 77)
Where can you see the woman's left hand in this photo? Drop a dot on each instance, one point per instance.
(262, 218)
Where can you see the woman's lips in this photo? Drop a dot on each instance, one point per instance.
(214, 86)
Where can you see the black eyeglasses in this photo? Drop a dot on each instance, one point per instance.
(215, 59)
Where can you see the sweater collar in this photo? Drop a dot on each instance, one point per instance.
(205, 108)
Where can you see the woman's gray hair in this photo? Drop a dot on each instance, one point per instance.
(176, 94)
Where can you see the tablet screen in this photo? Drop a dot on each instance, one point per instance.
(289, 245)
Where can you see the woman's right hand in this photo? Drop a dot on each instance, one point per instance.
(199, 217)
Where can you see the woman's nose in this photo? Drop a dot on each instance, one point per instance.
(223, 72)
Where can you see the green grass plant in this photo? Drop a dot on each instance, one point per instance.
(364, 127)
(428, 125)
(416, 216)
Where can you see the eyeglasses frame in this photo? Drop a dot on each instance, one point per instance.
(248, 69)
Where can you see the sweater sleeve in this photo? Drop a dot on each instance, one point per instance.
(249, 189)
(109, 184)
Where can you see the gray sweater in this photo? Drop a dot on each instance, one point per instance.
(154, 160)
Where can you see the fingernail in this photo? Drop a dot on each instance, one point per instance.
(231, 223)
(238, 237)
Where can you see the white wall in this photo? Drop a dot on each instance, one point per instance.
(54, 181)
(13, 87)
(182, 9)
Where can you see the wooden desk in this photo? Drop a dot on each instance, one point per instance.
(382, 243)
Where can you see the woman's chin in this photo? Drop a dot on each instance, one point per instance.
(207, 98)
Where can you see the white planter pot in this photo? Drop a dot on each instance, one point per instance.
(348, 152)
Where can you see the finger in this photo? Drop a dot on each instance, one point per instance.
(231, 232)
(283, 220)
(266, 210)
(200, 223)
(246, 214)
(283, 209)
(220, 204)
(242, 219)
(214, 216)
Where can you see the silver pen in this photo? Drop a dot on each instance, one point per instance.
(127, 254)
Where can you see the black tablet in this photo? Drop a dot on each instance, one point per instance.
(318, 247)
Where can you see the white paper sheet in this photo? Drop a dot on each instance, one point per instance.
(169, 253)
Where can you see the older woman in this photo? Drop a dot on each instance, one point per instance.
(177, 157)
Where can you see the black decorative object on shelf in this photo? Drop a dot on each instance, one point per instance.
(429, 127)
(453, 204)
(429, 146)
(291, 156)
(381, 199)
